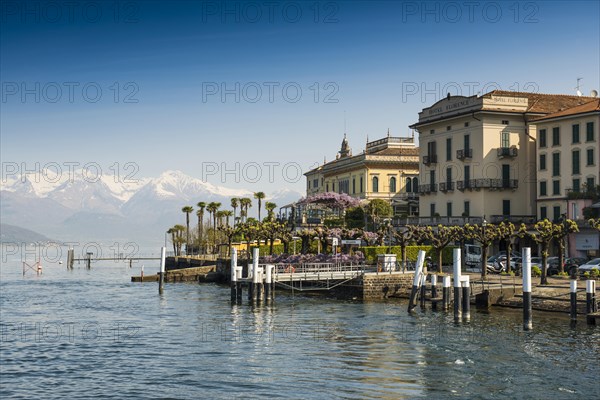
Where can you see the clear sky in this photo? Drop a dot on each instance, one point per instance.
(189, 85)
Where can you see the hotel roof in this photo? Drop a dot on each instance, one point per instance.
(589, 107)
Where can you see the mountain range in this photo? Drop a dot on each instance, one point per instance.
(73, 207)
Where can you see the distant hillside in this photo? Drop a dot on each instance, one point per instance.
(15, 234)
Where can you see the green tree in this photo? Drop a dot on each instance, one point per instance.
(235, 202)
(227, 214)
(270, 207)
(543, 233)
(561, 231)
(259, 196)
(404, 237)
(187, 210)
(200, 214)
(485, 234)
(179, 239)
(440, 238)
(212, 209)
(172, 231)
(245, 203)
(306, 236)
(377, 209)
(355, 218)
(507, 232)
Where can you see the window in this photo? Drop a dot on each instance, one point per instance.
(505, 139)
(542, 162)
(353, 185)
(449, 149)
(589, 132)
(590, 184)
(542, 139)
(449, 209)
(344, 186)
(590, 157)
(432, 131)
(449, 128)
(505, 207)
(556, 136)
(556, 213)
(543, 188)
(315, 183)
(327, 187)
(504, 122)
(505, 175)
(467, 209)
(375, 184)
(392, 185)
(556, 188)
(432, 177)
(432, 209)
(466, 124)
(431, 149)
(576, 185)
(309, 183)
(467, 142)
(416, 185)
(333, 186)
(543, 212)
(361, 184)
(467, 175)
(575, 133)
(448, 175)
(556, 164)
(408, 185)
(575, 159)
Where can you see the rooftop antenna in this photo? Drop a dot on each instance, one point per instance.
(578, 87)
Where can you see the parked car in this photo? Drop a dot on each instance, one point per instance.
(589, 266)
(569, 263)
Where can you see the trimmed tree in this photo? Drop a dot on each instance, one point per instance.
(485, 234)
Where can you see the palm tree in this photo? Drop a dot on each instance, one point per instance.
(259, 196)
(179, 229)
(234, 204)
(245, 203)
(212, 208)
(187, 210)
(172, 232)
(220, 216)
(270, 206)
(227, 214)
(200, 213)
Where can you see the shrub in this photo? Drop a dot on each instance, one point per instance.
(594, 273)
(412, 252)
(536, 271)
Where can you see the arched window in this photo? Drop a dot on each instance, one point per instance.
(408, 185)
(375, 184)
(415, 185)
(392, 185)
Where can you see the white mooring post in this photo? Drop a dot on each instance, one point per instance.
(573, 291)
(466, 298)
(433, 286)
(161, 277)
(269, 282)
(233, 272)
(590, 300)
(446, 281)
(457, 288)
(527, 320)
(253, 284)
(416, 281)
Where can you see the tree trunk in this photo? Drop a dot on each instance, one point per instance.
(561, 254)
(403, 256)
(544, 280)
(286, 247)
(440, 252)
(271, 240)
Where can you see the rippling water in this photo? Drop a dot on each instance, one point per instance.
(84, 334)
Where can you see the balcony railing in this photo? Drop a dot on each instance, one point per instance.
(507, 152)
(430, 159)
(428, 188)
(455, 221)
(462, 154)
(515, 219)
(487, 184)
(446, 186)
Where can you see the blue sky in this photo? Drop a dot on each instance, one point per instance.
(160, 68)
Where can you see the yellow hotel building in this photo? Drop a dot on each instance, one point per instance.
(386, 169)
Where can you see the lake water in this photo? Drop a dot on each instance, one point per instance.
(94, 334)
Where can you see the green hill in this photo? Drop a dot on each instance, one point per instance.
(15, 234)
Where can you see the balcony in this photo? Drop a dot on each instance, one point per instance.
(434, 221)
(462, 154)
(488, 184)
(428, 188)
(507, 152)
(447, 187)
(430, 159)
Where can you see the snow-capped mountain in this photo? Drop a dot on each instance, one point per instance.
(77, 206)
